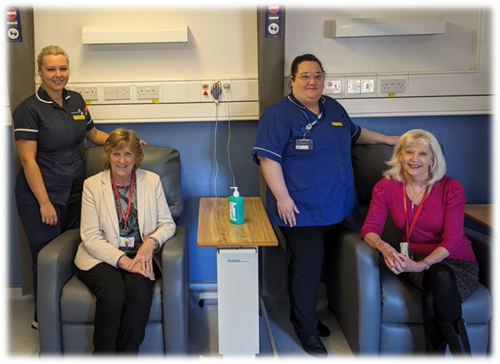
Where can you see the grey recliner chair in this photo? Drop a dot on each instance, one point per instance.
(379, 312)
(66, 306)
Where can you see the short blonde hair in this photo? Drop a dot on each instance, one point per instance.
(417, 137)
(51, 50)
(120, 138)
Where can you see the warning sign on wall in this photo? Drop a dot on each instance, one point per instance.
(273, 22)
(13, 20)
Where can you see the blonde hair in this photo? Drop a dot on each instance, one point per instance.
(417, 137)
(120, 138)
(51, 50)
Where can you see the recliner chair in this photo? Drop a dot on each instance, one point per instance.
(379, 312)
(66, 306)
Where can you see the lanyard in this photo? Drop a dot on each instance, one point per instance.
(409, 228)
(131, 192)
(309, 126)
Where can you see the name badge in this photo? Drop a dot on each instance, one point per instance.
(126, 242)
(337, 123)
(304, 144)
(78, 117)
(405, 249)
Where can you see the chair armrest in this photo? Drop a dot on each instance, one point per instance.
(486, 251)
(353, 291)
(55, 268)
(175, 277)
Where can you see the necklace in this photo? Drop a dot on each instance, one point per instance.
(413, 199)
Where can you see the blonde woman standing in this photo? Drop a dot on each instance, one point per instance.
(49, 128)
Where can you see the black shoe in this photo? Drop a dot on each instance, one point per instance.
(313, 346)
(322, 329)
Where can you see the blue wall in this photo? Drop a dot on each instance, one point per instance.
(467, 141)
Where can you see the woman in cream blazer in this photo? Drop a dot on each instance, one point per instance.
(121, 275)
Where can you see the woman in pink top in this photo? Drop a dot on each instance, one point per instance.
(428, 207)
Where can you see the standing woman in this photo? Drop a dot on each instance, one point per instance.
(49, 128)
(303, 148)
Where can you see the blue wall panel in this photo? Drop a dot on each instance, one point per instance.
(467, 141)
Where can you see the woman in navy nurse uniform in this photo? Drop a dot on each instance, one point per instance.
(303, 149)
(49, 128)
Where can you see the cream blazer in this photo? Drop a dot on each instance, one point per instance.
(99, 222)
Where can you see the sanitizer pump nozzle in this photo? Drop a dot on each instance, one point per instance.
(236, 209)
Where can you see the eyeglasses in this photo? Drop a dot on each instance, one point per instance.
(305, 77)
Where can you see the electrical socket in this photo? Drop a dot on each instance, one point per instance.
(367, 86)
(397, 85)
(123, 92)
(110, 93)
(89, 93)
(147, 92)
(353, 86)
(333, 87)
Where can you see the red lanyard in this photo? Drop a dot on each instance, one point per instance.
(131, 192)
(409, 228)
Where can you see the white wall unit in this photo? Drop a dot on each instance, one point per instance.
(390, 26)
(130, 35)
(419, 106)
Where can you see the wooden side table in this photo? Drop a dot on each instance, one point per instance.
(480, 213)
(237, 269)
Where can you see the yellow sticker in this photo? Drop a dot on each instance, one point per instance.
(88, 102)
(78, 117)
(337, 123)
(155, 101)
(391, 94)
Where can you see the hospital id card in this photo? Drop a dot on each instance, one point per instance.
(304, 144)
(126, 242)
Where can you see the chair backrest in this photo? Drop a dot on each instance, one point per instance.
(163, 161)
(368, 163)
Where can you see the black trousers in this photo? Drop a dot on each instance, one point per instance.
(122, 308)
(39, 234)
(306, 247)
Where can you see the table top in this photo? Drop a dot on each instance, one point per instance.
(482, 214)
(214, 228)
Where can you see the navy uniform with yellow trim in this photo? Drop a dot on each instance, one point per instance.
(59, 132)
(315, 155)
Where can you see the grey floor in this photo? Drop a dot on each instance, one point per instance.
(277, 342)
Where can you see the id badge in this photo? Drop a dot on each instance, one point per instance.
(304, 144)
(405, 249)
(126, 242)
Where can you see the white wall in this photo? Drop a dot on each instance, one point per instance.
(222, 43)
(450, 73)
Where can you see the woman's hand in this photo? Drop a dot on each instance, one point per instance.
(143, 261)
(287, 211)
(393, 259)
(48, 214)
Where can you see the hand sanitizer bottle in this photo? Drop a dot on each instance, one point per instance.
(236, 207)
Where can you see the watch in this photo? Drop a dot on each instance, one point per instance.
(427, 264)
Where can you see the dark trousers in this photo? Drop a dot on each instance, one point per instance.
(441, 301)
(39, 234)
(306, 247)
(122, 308)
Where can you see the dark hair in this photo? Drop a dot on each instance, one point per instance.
(304, 58)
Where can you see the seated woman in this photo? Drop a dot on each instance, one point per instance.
(125, 219)
(428, 207)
